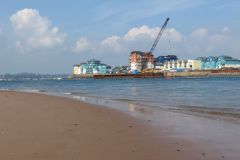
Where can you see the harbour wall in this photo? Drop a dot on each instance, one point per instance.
(203, 73)
(200, 73)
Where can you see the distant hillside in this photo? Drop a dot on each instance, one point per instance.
(32, 76)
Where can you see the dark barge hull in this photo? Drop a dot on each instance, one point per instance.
(122, 76)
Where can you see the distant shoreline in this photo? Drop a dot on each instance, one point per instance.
(200, 73)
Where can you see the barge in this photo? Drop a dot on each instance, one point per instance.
(121, 76)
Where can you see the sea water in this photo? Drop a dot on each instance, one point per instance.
(161, 102)
(202, 93)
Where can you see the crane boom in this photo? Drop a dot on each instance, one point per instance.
(159, 35)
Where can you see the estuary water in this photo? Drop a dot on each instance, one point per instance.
(177, 107)
(194, 94)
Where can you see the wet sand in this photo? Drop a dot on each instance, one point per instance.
(35, 126)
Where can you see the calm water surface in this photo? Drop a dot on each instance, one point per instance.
(154, 100)
(220, 92)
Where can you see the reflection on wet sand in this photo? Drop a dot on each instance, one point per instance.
(209, 134)
(137, 108)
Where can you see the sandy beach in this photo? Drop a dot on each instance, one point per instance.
(35, 126)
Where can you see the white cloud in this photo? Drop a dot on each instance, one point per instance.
(225, 30)
(113, 43)
(140, 33)
(147, 33)
(35, 32)
(200, 33)
(138, 38)
(81, 45)
(200, 42)
(203, 42)
(173, 35)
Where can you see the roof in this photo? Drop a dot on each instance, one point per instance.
(141, 53)
(137, 52)
(216, 58)
(233, 60)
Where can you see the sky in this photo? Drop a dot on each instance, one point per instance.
(42, 36)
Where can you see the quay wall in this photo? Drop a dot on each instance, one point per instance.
(200, 73)
(203, 73)
(81, 76)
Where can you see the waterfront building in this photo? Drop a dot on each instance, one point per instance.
(120, 70)
(140, 60)
(76, 69)
(91, 67)
(182, 65)
(219, 62)
(208, 62)
(159, 61)
(109, 69)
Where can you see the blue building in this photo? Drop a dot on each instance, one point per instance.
(218, 62)
(92, 66)
(160, 60)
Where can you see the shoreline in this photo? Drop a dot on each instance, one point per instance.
(228, 114)
(81, 130)
(163, 74)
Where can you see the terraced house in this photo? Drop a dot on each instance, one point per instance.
(92, 66)
(219, 62)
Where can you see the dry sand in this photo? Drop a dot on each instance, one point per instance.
(34, 127)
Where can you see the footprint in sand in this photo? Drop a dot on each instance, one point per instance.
(130, 126)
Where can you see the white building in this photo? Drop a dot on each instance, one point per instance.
(183, 64)
(230, 66)
(76, 69)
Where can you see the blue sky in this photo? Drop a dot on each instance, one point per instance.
(50, 36)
